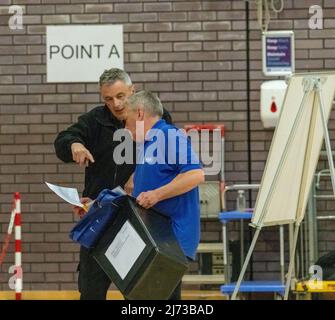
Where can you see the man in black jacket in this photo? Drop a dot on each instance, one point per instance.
(89, 142)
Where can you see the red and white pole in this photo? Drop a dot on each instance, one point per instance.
(18, 255)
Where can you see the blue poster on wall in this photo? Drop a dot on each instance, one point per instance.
(278, 53)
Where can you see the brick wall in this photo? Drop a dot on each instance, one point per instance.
(192, 53)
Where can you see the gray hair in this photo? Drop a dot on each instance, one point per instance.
(148, 100)
(112, 75)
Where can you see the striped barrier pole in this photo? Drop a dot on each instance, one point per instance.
(18, 255)
(8, 236)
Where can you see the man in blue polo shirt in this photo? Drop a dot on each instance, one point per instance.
(167, 170)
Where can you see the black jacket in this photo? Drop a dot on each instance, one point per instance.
(95, 130)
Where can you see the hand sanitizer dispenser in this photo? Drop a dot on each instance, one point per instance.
(272, 98)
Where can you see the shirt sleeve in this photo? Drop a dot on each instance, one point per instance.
(78, 132)
(181, 154)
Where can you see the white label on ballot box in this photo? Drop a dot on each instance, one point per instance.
(125, 249)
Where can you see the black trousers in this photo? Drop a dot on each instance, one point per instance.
(93, 283)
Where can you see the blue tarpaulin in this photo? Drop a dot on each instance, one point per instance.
(90, 227)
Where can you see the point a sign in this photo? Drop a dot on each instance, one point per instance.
(82, 53)
(278, 53)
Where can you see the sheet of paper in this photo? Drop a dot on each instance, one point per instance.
(125, 249)
(70, 195)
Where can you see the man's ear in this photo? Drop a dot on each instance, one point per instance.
(140, 114)
(132, 89)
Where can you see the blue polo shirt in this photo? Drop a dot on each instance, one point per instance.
(166, 153)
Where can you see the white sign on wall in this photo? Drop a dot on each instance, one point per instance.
(82, 53)
(278, 53)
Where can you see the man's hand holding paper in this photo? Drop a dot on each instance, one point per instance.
(70, 195)
(81, 211)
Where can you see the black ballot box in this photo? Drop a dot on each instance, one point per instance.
(140, 253)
